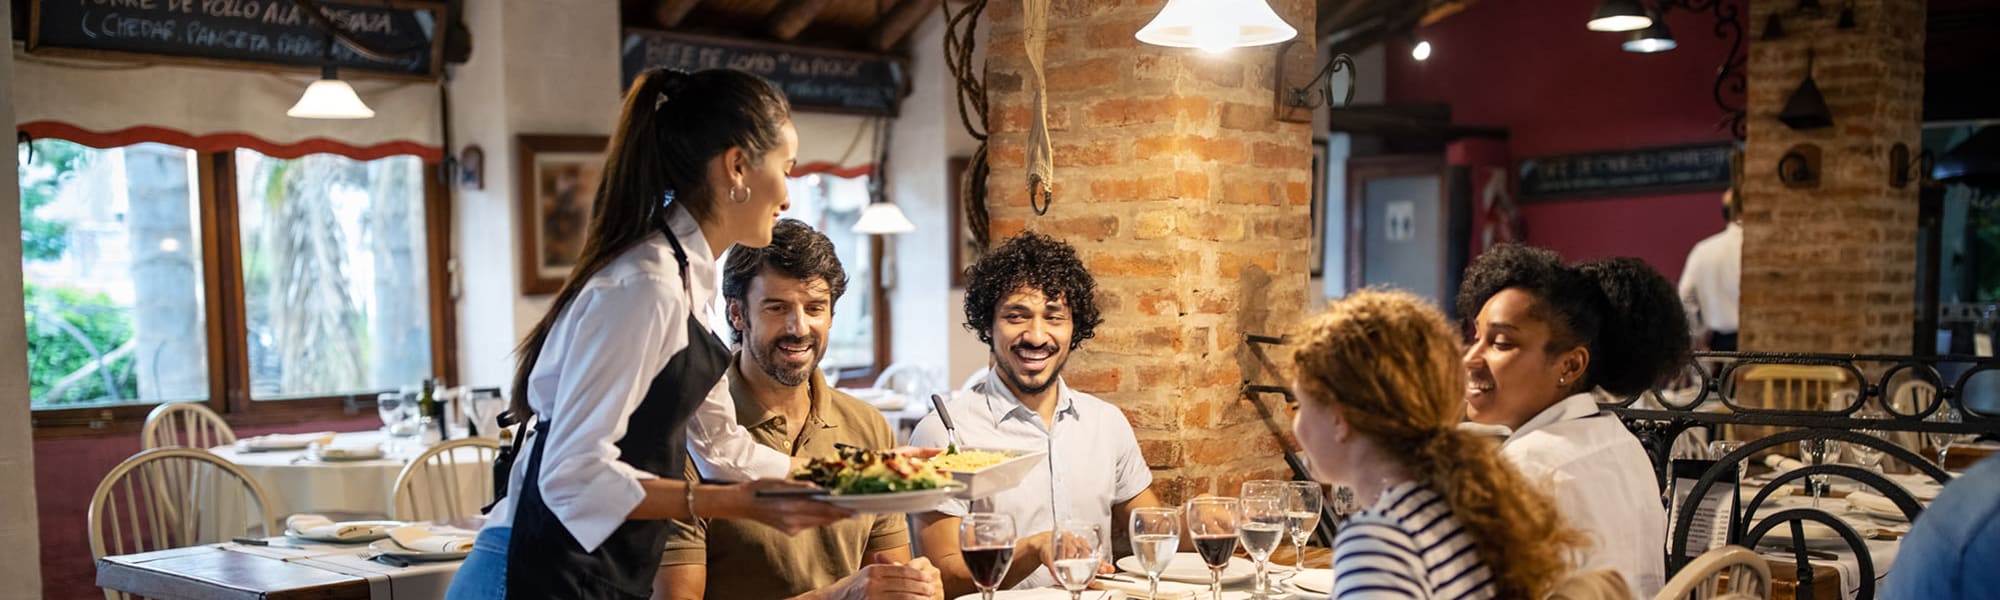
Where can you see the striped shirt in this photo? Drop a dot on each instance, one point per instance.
(1408, 546)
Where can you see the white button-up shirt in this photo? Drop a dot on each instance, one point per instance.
(600, 357)
(1710, 280)
(1092, 441)
(1603, 484)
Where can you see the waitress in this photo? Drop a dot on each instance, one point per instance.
(618, 369)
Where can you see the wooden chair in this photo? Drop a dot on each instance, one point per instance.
(172, 498)
(432, 486)
(187, 425)
(1602, 584)
(1726, 573)
(1796, 387)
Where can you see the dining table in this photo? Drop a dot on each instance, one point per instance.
(296, 481)
(1836, 568)
(280, 568)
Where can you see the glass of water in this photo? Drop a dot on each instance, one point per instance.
(1156, 536)
(1261, 525)
(1079, 550)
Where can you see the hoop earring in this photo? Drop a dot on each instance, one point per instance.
(742, 200)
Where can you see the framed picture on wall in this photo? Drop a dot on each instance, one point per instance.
(1317, 255)
(558, 184)
(965, 248)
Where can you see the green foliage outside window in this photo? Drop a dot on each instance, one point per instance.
(68, 330)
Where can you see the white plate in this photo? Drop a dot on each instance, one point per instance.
(390, 547)
(386, 526)
(998, 477)
(896, 502)
(1034, 594)
(1188, 567)
(1319, 581)
(346, 453)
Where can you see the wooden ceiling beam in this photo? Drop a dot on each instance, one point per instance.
(792, 17)
(670, 13)
(898, 23)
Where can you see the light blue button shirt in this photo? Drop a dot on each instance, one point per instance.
(1101, 464)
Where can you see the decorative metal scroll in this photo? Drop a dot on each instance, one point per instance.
(1896, 385)
(1731, 79)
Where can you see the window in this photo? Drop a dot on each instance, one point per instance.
(159, 274)
(831, 205)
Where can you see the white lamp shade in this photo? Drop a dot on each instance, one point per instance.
(330, 99)
(1216, 25)
(881, 218)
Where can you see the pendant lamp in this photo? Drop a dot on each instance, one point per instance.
(1619, 15)
(1216, 25)
(330, 98)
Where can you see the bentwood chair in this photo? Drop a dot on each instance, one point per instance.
(173, 498)
(450, 480)
(185, 424)
(1748, 577)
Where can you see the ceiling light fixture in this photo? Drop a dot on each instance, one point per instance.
(1656, 38)
(330, 98)
(1619, 15)
(1421, 51)
(1216, 25)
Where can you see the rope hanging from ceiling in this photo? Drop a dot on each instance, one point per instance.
(1041, 170)
(958, 44)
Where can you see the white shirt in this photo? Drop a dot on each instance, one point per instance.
(1101, 463)
(1709, 282)
(1603, 484)
(600, 357)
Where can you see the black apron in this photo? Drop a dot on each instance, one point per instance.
(543, 559)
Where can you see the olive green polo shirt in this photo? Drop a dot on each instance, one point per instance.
(747, 559)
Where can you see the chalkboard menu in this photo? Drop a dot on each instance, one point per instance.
(1667, 169)
(812, 78)
(262, 32)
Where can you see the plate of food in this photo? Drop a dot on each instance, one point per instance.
(986, 472)
(877, 482)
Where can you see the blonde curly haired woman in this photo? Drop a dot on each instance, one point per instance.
(1381, 394)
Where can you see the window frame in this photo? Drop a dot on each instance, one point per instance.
(222, 289)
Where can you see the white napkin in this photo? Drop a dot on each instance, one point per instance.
(283, 441)
(420, 538)
(321, 527)
(1875, 504)
(1782, 463)
(1169, 590)
(327, 449)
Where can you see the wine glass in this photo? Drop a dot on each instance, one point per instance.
(1266, 488)
(1819, 450)
(1302, 517)
(1944, 441)
(1211, 522)
(1156, 535)
(1260, 526)
(1079, 550)
(986, 542)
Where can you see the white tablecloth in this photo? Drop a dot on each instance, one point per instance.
(1881, 552)
(298, 484)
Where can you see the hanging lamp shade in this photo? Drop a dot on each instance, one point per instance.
(1806, 109)
(882, 218)
(1216, 25)
(1656, 38)
(330, 98)
(1619, 15)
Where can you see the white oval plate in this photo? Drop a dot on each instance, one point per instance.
(1188, 568)
(1318, 581)
(895, 502)
(390, 547)
(386, 526)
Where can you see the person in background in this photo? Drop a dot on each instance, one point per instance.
(1709, 282)
(1544, 336)
(624, 357)
(780, 304)
(1032, 302)
(1953, 547)
(1380, 397)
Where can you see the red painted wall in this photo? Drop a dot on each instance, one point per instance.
(66, 474)
(1530, 66)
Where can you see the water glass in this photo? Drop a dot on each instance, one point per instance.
(1869, 457)
(1212, 522)
(1302, 506)
(986, 542)
(1819, 451)
(390, 405)
(1079, 551)
(1260, 526)
(1946, 413)
(1156, 536)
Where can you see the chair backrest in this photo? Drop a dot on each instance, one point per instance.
(1796, 387)
(171, 498)
(185, 424)
(1602, 584)
(976, 378)
(450, 480)
(1749, 576)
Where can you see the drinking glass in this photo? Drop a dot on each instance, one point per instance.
(1301, 517)
(1869, 457)
(390, 405)
(1265, 488)
(1944, 441)
(986, 542)
(1079, 550)
(1260, 526)
(1819, 451)
(1156, 535)
(1211, 522)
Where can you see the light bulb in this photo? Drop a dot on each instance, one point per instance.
(1422, 51)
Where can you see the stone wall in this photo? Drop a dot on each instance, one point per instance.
(1187, 200)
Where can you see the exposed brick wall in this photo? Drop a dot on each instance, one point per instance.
(1833, 269)
(1187, 200)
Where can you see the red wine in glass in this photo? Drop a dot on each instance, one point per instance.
(988, 565)
(1215, 550)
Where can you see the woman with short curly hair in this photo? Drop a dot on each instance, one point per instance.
(1545, 335)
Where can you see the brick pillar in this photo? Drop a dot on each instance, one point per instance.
(1833, 269)
(1187, 200)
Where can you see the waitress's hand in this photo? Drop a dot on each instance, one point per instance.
(790, 514)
